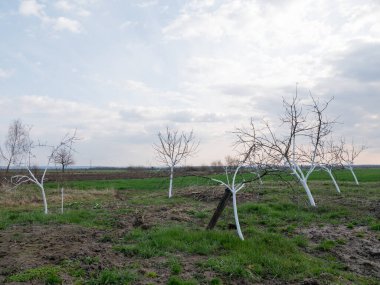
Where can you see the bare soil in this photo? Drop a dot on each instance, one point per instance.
(25, 247)
(357, 248)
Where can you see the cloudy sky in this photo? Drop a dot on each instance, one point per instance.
(119, 71)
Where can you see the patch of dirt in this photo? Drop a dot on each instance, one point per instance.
(147, 217)
(202, 193)
(25, 247)
(362, 204)
(215, 193)
(358, 248)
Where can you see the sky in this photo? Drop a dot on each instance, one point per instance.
(121, 71)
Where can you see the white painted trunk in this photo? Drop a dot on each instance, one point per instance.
(236, 216)
(308, 192)
(333, 180)
(62, 200)
(44, 199)
(354, 175)
(171, 182)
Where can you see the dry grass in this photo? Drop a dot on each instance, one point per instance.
(31, 196)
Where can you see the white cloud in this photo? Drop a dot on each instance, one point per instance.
(208, 64)
(177, 115)
(75, 7)
(63, 5)
(83, 13)
(147, 3)
(127, 24)
(62, 23)
(31, 8)
(6, 73)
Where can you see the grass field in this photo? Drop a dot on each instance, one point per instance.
(127, 231)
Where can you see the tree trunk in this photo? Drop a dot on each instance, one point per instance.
(44, 199)
(171, 181)
(236, 216)
(334, 181)
(308, 192)
(353, 174)
(219, 209)
(63, 168)
(8, 166)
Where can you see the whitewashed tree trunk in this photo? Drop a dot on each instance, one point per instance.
(297, 171)
(237, 223)
(234, 189)
(333, 180)
(171, 181)
(308, 192)
(353, 174)
(43, 198)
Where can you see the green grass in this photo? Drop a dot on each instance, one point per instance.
(47, 274)
(327, 245)
(174, 280)
(274, 248)
(261, 255)
(343, 175)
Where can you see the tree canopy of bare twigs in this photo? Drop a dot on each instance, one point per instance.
(64, 157)
(17, 144)
(173, 148)
(31, 177)
(349, 154)
(330, 159)
(301, 143)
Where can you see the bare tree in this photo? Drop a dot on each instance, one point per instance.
(349, 153)
(284, 149)
(216, 163)
(250, 147)
(330, 159)
(64, 157)
(256, 160)
(234, 186)
(31, 177)
(232, 161)
(17, 144)
(173, 148)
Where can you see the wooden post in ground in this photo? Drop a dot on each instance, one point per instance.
(219, 210)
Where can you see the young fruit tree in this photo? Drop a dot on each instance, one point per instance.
(282, 146)
(31, 177)
(349, 153)
(232, 185)
(330, 159)
(173, 148)
(17, 144)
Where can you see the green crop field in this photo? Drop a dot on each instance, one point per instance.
(342, 175)
(127, 231)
